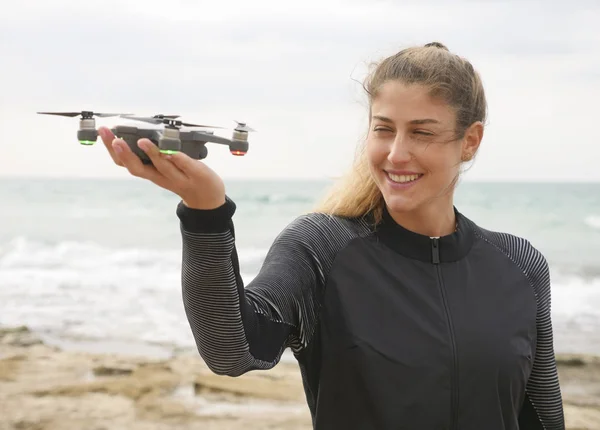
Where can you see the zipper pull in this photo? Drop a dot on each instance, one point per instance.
(435, 250)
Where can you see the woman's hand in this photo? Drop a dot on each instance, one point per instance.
(198, 186)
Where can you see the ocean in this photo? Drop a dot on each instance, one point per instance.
(95, 264)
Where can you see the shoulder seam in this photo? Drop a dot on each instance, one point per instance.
(510, 257)
(533, 287)
(362, 230)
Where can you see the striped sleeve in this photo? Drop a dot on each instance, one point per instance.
(239, 328)
(543, 407)
(543, 388)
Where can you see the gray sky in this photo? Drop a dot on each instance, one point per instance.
(289, 69)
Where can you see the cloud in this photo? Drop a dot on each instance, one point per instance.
(291, 70)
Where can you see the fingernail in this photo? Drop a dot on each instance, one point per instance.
(117, 147)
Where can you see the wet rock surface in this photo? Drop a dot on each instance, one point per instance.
(45, 388)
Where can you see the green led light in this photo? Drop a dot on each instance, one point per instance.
(87, 142)
(168, 151)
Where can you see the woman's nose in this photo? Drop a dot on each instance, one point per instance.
(399, 151)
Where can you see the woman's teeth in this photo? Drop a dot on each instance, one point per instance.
(403, 178)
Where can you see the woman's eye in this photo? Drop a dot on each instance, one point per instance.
(423, 133)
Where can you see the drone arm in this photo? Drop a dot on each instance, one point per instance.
(207, 137)
(237, 328)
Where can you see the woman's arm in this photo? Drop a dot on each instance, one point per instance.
(239, 328)
(543, 408)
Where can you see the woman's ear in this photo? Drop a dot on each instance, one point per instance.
(472, 140)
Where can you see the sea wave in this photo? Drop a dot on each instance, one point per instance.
(80, 212)
(23, 253)
(81, 290)
(593, 221)
(277, 198)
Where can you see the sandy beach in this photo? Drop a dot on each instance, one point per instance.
(45, 388)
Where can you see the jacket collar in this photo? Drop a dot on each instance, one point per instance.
(451, 248)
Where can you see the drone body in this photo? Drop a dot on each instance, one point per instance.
(170, 139)
(190, 142)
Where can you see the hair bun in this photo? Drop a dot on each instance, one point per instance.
(436, 45)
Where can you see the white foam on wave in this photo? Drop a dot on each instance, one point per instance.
(80, 212)
(593, 221)
(576, 313)
(84, 291)
(576, 298)
(22, 253)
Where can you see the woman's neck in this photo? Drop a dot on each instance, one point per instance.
(429, 220)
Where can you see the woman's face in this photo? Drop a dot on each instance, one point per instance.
(411, 147)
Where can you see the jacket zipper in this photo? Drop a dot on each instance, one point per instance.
(435, 250)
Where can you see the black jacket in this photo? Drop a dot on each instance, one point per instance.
(391, 329)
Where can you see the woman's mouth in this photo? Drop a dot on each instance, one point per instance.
(402, 180)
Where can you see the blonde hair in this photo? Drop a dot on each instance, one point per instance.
(448, 76)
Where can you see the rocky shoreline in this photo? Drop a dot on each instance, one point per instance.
(45, 388)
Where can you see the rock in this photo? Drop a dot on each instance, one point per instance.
(112, 371)
(29, 425)
(9, 366)
(573, 362)
(43, 388)
(141, 382)
(19, 336)
(582, 418)
(16, 329)
(576, 360)
(258, 384)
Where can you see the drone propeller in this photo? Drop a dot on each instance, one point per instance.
(160, 115)
(187, 124)
(84, 114)
(155, 119)
(168, 120)
(243, 127)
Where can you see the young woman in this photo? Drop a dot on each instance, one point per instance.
(401, 312)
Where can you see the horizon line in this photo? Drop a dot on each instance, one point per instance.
(302, 179)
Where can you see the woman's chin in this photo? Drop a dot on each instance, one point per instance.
(399, 204)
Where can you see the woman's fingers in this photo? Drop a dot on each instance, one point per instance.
(161, 172)
(187, 164)
(161, 162)
(135, 166)
(176, 172)
(107, 137)
(204, 189)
